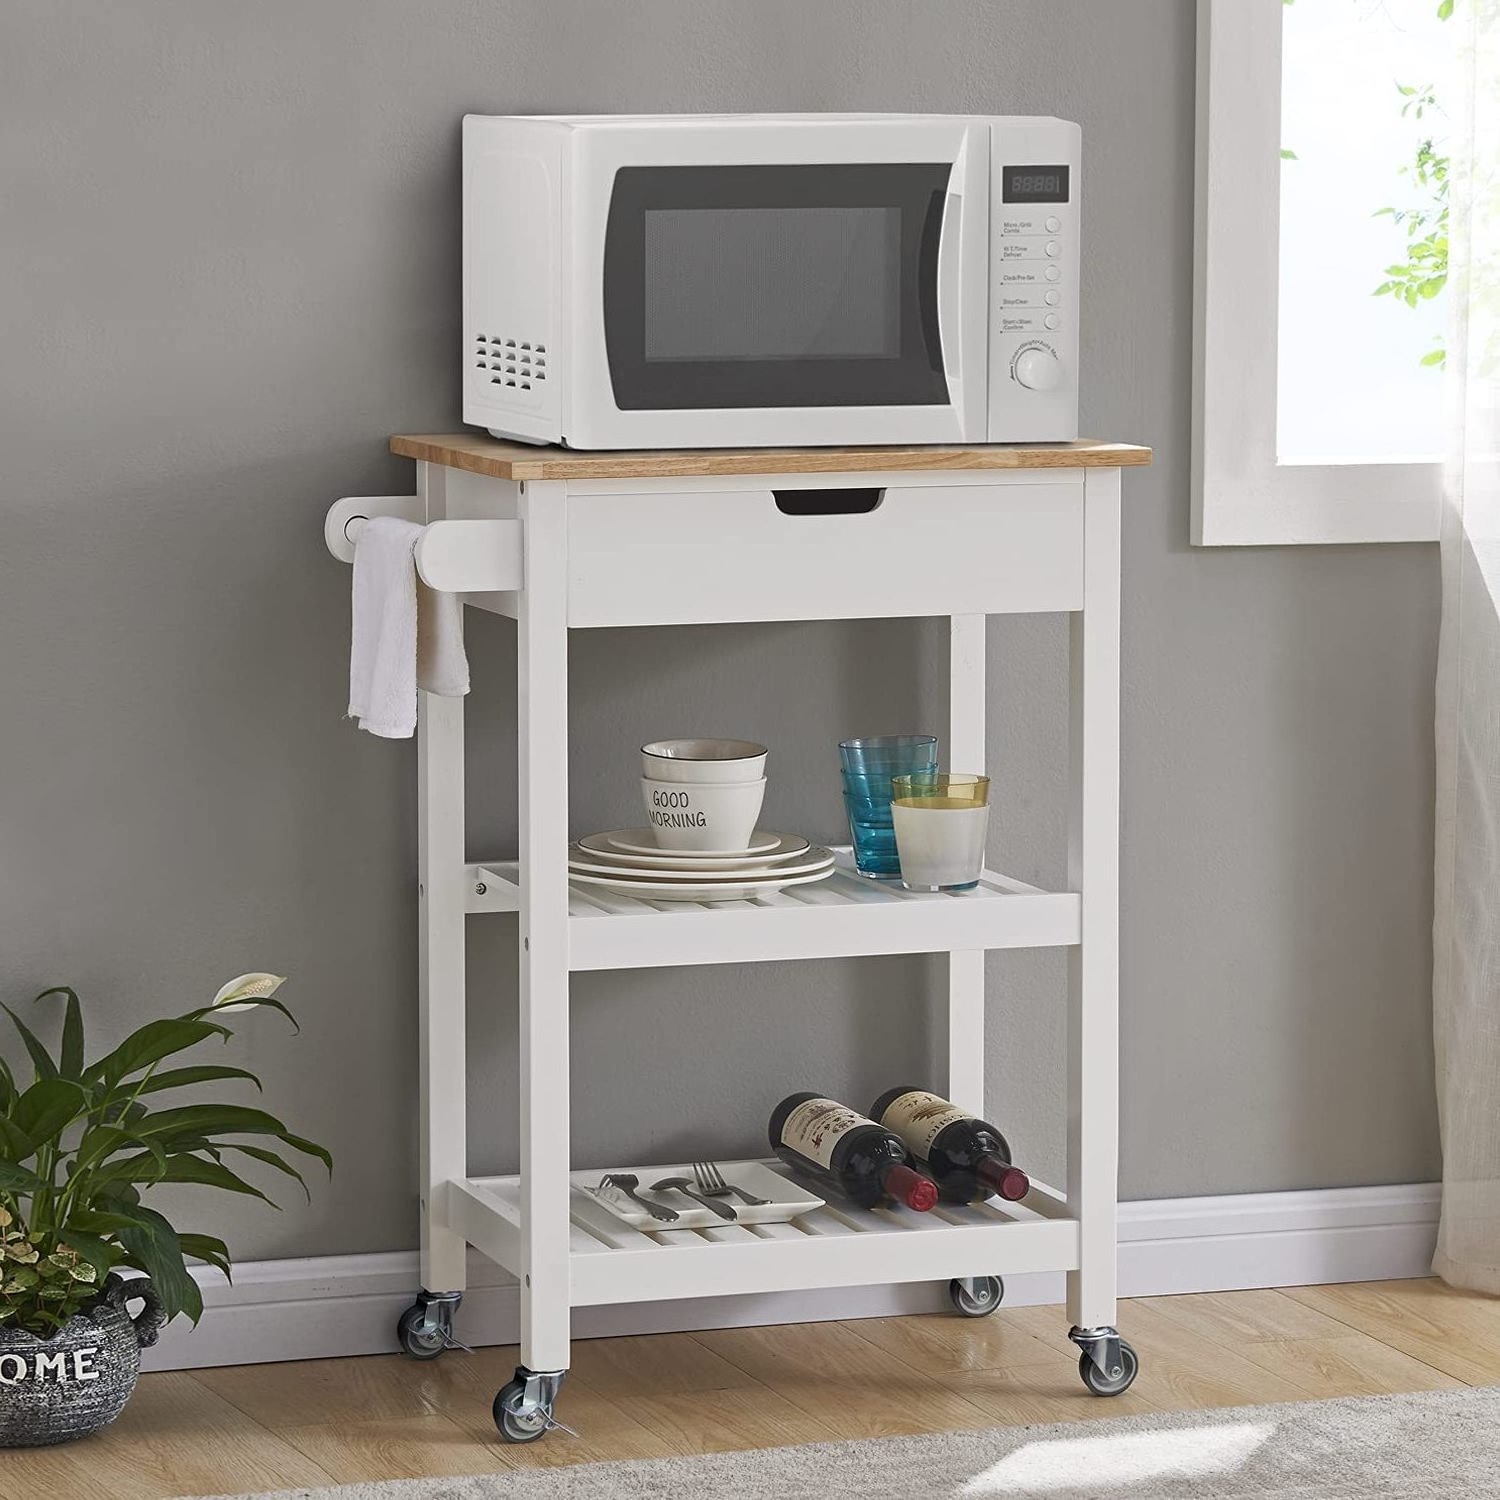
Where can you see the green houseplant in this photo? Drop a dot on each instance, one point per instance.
(78, 1145)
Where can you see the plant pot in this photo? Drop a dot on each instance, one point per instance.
(67, 1386)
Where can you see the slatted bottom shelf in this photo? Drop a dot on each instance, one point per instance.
(843, 916)
(833, 1246)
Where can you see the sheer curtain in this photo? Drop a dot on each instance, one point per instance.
(1466, 928)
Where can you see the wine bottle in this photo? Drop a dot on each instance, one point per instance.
(967, 1158)
(847, 1154)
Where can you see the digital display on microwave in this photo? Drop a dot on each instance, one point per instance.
(1035, 184)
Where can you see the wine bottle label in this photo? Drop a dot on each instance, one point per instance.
(816, 1126)
(919, 1118)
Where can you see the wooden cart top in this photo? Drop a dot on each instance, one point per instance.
(499, 460)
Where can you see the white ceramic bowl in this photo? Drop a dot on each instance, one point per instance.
(713, 815)
(703, 760)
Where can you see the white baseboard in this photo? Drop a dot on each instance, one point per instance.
(348, 1304)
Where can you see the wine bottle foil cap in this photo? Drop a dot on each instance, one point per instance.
(911, 1188)
(1014, 1184)
(1010, 1182)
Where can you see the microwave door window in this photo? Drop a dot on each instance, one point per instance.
(744, 287)
(772, 283)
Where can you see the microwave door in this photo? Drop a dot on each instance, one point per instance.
(755, 287)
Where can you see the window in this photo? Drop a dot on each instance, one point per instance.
(1321, 300)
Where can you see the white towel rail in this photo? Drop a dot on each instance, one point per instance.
(341, 526)
(470, 557)
(454, 557)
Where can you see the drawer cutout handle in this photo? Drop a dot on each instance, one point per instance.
(853, 501)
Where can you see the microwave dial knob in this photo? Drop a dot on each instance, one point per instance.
(1038, 370)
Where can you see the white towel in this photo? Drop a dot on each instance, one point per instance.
(404, 635)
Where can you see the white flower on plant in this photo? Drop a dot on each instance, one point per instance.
(247, 987)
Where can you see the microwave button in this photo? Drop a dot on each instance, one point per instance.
(1053, 298)
(1053, 224)
(1051, 247)
(1052, 320)
(1053, 273)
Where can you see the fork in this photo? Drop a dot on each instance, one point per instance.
(711, 1184)
(626, 1183)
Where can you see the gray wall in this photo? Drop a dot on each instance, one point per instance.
(229, 269)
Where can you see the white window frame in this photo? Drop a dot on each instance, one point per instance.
(1241, 495)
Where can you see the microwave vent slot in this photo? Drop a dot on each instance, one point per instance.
(511, 361)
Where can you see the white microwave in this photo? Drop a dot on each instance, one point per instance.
(751, 280)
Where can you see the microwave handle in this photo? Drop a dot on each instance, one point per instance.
(950, 288)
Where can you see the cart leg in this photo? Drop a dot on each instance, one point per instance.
(545, 1118)
(966, 718)
(971, 1296)
(1093, 966)
(426, 1329)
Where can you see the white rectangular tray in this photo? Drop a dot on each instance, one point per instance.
(787, 1200)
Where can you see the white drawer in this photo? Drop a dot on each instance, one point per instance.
(747, 554)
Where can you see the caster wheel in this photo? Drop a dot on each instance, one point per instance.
(420, 1335)
(515, 1426)
(1100, 1383)
(977, 1297)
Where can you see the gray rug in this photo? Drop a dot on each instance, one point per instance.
(1435, 1444)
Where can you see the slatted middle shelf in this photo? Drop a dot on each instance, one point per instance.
(833, 1246)
(843, 916)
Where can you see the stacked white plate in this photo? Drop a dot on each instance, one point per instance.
(630, 863)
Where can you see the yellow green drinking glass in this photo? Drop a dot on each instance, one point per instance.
(938, 790)
(941, 823)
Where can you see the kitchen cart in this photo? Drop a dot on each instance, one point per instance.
(562, 540)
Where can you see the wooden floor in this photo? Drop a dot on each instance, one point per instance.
(267, 1427)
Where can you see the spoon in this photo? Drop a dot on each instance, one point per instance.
(680, 1185)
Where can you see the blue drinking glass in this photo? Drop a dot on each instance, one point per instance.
(868, 766)
(894, 754)
(874, 835)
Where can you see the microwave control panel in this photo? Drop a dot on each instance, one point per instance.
(1034, 291)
